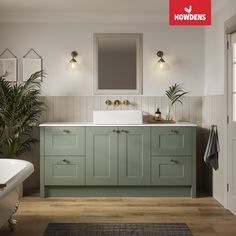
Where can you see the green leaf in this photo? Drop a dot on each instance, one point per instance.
(175, 93)
(20, 106)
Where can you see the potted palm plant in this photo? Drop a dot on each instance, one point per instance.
(20, 109)
(174, 93)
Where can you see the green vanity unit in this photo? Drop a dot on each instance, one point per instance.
(93, 160)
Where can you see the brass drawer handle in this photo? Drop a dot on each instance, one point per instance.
(66, 131)
(174, 131)
(116, 131)
(66, 161)
(174, 161)
(124, 131)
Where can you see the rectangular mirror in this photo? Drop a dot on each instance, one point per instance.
(117, 64)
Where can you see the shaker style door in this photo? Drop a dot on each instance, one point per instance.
(134, 156)
(102, 156)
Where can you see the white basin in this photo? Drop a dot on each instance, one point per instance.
(116, 117)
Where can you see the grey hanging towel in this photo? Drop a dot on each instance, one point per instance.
(212, 149)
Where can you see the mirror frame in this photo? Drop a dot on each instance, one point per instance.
(139, 65)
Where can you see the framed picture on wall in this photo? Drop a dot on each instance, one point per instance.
(8, 69)
(30, 66)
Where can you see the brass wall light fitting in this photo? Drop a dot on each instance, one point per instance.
(73, 63)
(161, 61)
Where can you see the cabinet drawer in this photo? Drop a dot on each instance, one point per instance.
(65, 141)
(171, 171)
(64, 170)
(171, 141)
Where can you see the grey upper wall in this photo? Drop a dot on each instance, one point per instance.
(183, 48)
(194, 54)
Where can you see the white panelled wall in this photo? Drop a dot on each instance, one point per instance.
(213, 110)
(80, 108)
(215, 100)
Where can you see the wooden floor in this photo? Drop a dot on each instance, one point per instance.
(204, 216)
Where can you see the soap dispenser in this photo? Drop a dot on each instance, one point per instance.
(158, 115)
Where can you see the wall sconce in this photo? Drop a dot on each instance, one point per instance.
(73, 64)
(161, 61)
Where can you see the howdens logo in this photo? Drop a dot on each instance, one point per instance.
(190, 16)
(190, 12)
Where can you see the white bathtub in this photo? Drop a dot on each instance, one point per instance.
(12, 174)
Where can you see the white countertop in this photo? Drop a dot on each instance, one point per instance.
(92, 124)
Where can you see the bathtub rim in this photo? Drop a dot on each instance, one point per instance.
(23, 164)
(18, 178)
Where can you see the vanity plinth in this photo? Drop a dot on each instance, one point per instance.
(151, 160)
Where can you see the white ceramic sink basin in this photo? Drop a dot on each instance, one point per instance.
(118, 117)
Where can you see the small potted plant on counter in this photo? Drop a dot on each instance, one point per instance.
(20, 109)
(174, 94)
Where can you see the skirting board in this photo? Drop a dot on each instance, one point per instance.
(129, 191)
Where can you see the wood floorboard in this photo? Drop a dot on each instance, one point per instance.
(204, 215)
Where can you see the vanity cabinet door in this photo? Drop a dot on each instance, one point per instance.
(171, 171)
(134, 156)
(171, 141)
(65, 141)
(102, 156)
(64, 170)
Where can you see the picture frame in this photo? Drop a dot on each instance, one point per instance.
(32, 62)
(8, 69)
(30, 66)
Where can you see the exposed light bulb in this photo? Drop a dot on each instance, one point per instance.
(73, 65)
(161, 62)
(161, 65)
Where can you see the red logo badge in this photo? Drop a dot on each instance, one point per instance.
(190, 12)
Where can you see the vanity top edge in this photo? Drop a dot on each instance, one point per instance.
(50, 124)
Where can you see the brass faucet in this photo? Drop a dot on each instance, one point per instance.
(126, 102)
(108, 102)
(117, 103)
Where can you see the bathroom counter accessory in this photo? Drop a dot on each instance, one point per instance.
(152, 121)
